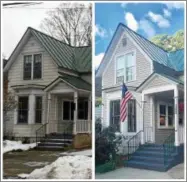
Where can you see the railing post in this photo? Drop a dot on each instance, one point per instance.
(75, 112)
(176, 102)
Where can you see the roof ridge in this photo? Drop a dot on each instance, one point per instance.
(56, 38)
(143, 37)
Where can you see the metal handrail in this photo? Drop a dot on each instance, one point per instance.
(38, 130)
(65, 130)
(134, 139)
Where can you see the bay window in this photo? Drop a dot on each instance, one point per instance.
(125, 68)
(23, 109)
(38, 109)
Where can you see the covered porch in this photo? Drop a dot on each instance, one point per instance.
(163, 105)
(69, 107)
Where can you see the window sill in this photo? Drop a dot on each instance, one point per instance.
(126, 82)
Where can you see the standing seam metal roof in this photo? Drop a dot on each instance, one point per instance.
(173, 60)
(73, 58)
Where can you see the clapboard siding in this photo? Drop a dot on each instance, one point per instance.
(26, 130)
(143, 66)
(156, 82)
(49, 69)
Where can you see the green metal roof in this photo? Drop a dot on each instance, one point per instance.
(73, 58)
(77, 82)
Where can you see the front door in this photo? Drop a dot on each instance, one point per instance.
(66, 123)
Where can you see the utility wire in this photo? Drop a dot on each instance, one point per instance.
(19, 3)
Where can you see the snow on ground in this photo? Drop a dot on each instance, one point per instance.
(67, 167)
(36, 164)
(9, 145)
(82, 152)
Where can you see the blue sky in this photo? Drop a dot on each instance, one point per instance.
(147, 19)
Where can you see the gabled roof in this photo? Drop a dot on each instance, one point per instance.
(159, 56)
(73, 81)
(73, 58)
(150, 77)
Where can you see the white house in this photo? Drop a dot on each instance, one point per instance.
(51, 82)
(156, 80)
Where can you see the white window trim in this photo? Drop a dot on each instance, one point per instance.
(17, 110)
(32, 66)
(35, 109)
(158, 116)
(115, 66)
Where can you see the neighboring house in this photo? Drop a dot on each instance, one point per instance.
(52, 84)
(156, 80)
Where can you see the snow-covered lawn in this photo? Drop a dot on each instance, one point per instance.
(9, 145)
(67, 167)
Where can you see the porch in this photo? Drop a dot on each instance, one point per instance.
(69, 106)
(162, 106)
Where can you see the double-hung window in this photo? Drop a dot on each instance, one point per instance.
(23, 109)
(125, 68)
(120, 69)
(132, 115)
(165, 115)
(32, 67)
(115, 114)
(38, 109)
(83, 109)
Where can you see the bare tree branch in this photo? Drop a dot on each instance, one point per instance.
(71, 23)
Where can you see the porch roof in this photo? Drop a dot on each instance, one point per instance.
(73, 81)
(169, 78)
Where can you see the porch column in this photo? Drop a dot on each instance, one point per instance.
(48, 111)
(176, 103)
(89, 113)
(75, 112)
(142, 136)
(31, 119)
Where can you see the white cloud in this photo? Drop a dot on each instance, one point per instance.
(147, 27)
(99, 31)
(98, 58)
(159, 19)
(123, 5)
(176, 5)
(131, 21)
(167, 13)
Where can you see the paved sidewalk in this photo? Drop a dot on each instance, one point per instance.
(133, 173)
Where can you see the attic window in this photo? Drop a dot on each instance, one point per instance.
(124, 41)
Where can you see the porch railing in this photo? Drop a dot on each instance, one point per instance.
(169, 147)
(83, 126)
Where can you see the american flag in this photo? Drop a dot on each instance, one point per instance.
(126, 95)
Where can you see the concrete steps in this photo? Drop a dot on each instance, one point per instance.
(55, 142)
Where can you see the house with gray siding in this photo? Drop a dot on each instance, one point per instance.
(51, 82)
(155, 114)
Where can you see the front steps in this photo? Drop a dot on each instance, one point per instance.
(151, 156)
(55, 142)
